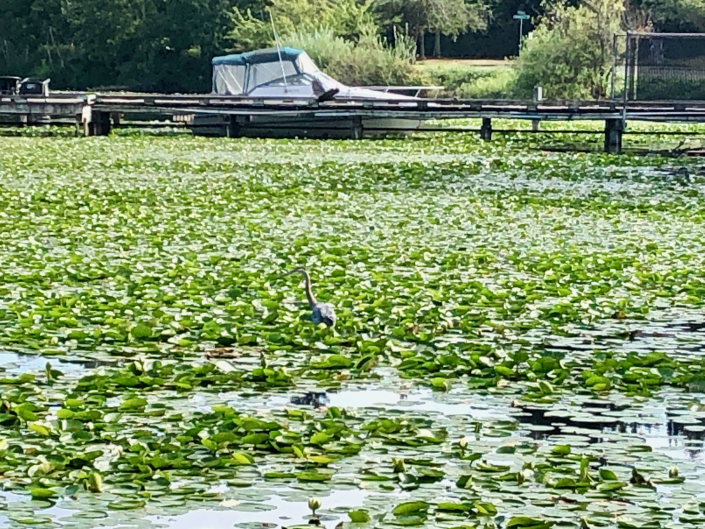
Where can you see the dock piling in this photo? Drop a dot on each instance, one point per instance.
(486, 129)
(614, 130)
(95, 123)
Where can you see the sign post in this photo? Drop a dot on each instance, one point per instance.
(521, 16)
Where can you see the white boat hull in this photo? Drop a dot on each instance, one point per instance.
(298, 127)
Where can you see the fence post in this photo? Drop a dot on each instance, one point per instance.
(614, 66)
(486, 129)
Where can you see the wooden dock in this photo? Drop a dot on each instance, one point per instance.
(96, 114)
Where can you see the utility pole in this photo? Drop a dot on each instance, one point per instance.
(521, 16)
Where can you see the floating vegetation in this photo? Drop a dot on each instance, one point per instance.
(518, 340)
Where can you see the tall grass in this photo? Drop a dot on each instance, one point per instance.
(471, 82)
(497, 84)
(369, 60)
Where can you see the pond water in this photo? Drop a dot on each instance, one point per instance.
(519, 340)
(13, 363)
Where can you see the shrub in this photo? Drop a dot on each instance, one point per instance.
(569, 54)
(658, 88)
(367, 61)
(471, 82)
(345, 18)
(498, 84)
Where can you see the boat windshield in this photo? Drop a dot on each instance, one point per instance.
(266, 72)
(303, 79)
(305, 64)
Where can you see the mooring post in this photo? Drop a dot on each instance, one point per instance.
(102, 122)
(357, 130)
(95, 123)
(614, 129)
(486, 129)
(233, 127)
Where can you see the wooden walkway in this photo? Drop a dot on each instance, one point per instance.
(96, 114)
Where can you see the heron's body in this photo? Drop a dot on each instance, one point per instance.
(323, 313)
(320, 312)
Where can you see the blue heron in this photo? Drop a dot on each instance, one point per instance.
(320, 312)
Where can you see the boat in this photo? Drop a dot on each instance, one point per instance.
(9, 84)
(288, 75)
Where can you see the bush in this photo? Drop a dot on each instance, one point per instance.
(569, 54)
(368, 61)
(471, 82)
(345, 18)
(653, 88)
(498, 84)
(453, 75)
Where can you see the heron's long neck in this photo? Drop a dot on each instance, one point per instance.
(309, 294)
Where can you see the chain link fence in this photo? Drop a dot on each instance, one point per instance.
(659, 67)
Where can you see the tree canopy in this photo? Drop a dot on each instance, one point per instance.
(676, 15)
(441, 17)
(160, 45)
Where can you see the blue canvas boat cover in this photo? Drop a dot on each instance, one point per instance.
(258, 56)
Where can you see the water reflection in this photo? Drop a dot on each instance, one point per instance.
(275, 511)
(600, 421)
(420, 400)
(16, 364)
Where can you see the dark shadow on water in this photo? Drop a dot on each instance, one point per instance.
(314, 399)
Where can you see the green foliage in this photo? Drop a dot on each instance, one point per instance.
(359, 516)
(676, 15)
(366, 61)
(569, 54)
(341, 18)
(662, 88)
(450, 17)
(446, 17)
(498, 84)
(464, 80)
(136, 45)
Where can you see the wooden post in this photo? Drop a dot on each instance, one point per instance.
(95, 123)
(535, 124)
(233, 127)
(613, 136)
(357, 128)
(104, 124)
(486, 130)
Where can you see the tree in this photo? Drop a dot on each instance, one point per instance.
(441, 17)
(345, 18)
(570, 52)
(138, 44)
(676, 15)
